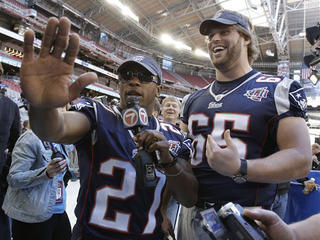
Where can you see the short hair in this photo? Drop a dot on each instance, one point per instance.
(172, 98)
(252, 47)
(316, 146)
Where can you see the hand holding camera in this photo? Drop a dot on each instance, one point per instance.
(230, 224)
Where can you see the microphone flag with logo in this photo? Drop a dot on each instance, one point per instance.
(135, 118)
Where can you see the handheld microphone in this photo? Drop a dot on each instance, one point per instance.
(135, 118)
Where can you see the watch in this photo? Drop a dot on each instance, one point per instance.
(242, 175)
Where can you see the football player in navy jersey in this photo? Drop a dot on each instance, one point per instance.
(248, 129)
(110, 204)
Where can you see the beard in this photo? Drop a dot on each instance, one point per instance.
(225, 62)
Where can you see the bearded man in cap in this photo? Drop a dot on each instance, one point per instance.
(110, 204)
(248, 128)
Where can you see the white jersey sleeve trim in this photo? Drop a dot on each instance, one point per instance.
(281, 96)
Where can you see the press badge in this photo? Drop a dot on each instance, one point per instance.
(59, 193)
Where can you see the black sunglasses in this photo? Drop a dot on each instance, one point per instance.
(143, 77)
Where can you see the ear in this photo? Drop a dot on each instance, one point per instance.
(247, 40)
(158, 90)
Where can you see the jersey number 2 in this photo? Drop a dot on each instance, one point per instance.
(121, 220)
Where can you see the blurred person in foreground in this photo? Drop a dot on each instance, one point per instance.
(248, 129)
(276, 229)
(36, 196)
(10, 130)
(110, 204)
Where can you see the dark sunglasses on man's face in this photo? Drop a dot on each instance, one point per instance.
(143, 77)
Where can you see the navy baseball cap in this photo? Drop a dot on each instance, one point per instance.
(225, 17)
(145, 61)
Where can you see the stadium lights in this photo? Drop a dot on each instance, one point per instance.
(302, 34)
(201, 53)
(125, 10)
(167, 39)
(181, 45)
(269, 53)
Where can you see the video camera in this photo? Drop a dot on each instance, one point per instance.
(229, 224)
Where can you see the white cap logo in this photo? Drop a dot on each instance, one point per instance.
(138, 58)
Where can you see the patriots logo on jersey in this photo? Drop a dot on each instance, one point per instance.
(257, 94)
(299, 97)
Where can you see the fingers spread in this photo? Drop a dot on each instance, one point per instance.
(62, 38)
(77, 86)
(73, 49)
(28, 45)
(49, 36)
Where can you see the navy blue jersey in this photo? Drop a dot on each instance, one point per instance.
(251, 108)
(110, 205)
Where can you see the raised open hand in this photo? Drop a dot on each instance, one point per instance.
(46, 80)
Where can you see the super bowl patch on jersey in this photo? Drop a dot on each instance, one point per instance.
(174, 147)
(256, 94)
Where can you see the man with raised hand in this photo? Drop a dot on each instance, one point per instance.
(110, 204)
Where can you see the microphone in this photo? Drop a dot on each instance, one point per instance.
(135, 118)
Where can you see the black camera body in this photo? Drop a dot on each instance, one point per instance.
(229, 224)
